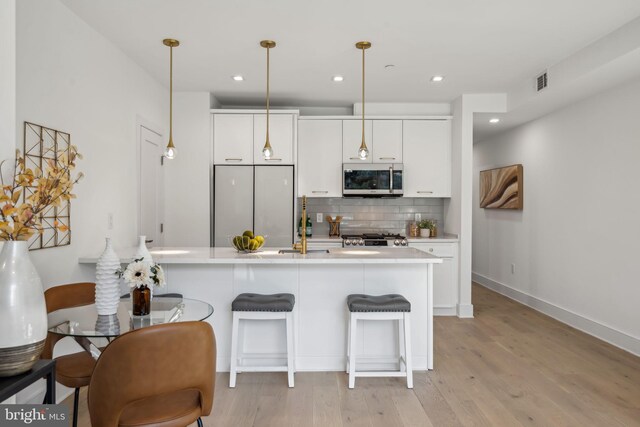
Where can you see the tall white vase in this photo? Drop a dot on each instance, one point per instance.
(142, 251)
(23, 312)
(107, 282)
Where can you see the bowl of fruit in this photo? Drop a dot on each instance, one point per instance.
(247, 242)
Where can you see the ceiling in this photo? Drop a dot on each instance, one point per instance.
(480, 46)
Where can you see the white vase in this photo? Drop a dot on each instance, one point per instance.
(425, 232)
(142, 251)
(107, 282)
(23, 312)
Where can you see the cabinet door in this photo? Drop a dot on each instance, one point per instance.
(280, 137)
(444, 288)
(233, 139)
(352, 138)
(319, 158)
(426, 146)
(387, 141)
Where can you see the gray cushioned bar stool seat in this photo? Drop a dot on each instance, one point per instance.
(260, 302)
(378, 303)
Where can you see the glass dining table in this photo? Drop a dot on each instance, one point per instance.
(90, 329)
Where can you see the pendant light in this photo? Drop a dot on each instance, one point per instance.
(363, 151)
(170, 152)
(267, 151)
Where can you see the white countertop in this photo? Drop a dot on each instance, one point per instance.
(205, 255)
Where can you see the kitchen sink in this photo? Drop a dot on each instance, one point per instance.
(309, 251)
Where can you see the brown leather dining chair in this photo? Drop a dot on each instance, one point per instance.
(73, 370)
(161, 375)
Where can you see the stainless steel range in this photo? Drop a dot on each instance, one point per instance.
(374, 239)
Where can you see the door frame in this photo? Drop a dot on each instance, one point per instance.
(141, 123)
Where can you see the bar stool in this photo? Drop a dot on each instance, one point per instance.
(381, 307)
(262, 307)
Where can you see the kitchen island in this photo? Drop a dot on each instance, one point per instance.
(320, 283)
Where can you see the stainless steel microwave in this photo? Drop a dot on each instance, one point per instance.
(372, 179)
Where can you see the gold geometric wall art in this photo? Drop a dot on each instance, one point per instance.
(502, 188)
(41, 144)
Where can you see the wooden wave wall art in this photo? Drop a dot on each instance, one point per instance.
(501, 188)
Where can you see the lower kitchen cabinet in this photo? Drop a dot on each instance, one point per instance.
(445, 276)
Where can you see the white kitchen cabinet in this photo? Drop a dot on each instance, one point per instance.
(280, 136)
(426, 146)
(445, 276)
(386, 142)
(320, 158)
(352, 138)
(233, 139)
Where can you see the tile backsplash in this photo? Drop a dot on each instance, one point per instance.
(361, 215)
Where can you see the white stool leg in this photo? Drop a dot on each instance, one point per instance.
(348, 343)
(234, 350)
(407, 349)
(290, 351)
(352, 349)
(403, 356)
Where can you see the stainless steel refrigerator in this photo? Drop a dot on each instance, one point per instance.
(257, 198)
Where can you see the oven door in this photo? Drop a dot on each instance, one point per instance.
(372, 180)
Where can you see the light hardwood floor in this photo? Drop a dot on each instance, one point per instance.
(508, 366)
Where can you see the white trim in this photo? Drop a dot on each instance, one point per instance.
(375, 117)
(445, 311)
(251, 111)
(584, 324)
(465, 311)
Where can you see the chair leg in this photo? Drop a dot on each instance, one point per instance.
(353, 325)
(403, 355)
(234, 350)
(290, 351)
(407, 349)
(200, 422)
(76, 397)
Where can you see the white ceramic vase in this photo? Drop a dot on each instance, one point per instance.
(23, 312)
(107, 282)
(142, 251)
(425, 232)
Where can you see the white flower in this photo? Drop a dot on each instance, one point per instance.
(137, 274)
(157, 275)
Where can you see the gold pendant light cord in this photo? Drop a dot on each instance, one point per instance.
(171, 95)
(363, 96)
(268, 49)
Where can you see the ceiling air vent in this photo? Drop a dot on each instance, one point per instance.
(541, 81)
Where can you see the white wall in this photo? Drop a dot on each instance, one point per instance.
(7, 78)
(187, 177)
(576, 244)
(69, 77)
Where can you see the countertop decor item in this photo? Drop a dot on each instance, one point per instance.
(502, 188)
(426, 226)
(267, 151)
(23, 313)
(142, 251)
(107, 283)
(142, 276)
(248, 242)
(170, 152)
(363, 151)
(334, 224)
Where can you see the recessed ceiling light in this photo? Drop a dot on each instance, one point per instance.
(338, 78)
(238, 78)
(437, 79)
(494, 120)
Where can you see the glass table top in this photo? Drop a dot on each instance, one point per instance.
(84, 321)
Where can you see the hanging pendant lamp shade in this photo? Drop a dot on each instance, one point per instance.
(170, 152)
(363, 151)
(267, 151)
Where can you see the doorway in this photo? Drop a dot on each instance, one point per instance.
(151, 187)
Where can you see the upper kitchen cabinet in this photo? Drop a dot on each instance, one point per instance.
(383, 139)
(427, 158)
(386, 141)
(319, 158)
(238, 138)
(281, 137)
(233, 139)
(352, 138)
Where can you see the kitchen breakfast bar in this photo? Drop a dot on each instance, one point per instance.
(320, 282)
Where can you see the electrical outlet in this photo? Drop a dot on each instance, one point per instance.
(513, 269)
(110, 221)
(319, 217)
(418, 217)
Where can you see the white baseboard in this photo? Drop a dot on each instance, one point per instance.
(445, 311)
(589, 326)
(465, 311)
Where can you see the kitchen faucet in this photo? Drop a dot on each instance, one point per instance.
(302, 245)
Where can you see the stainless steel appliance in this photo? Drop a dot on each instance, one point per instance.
(258, 198)
(372, 179)
(374, 239)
